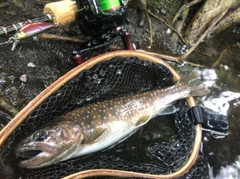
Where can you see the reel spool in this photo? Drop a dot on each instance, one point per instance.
(98, 79)
(108, 6)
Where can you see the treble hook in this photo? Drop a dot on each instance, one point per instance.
(10, 40)
(14, 41)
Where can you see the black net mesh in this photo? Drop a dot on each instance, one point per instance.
(108, 79)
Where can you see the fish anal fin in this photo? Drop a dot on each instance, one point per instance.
(169, 109)
(142, 120)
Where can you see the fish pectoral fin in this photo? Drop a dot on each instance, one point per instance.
(169, 109)
(95, 134)
(142, 120)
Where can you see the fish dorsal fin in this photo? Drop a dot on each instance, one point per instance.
(142, 120)
(95, 134)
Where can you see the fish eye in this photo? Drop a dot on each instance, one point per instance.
(39, 135)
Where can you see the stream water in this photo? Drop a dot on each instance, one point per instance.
(50, 59)
(223, 154)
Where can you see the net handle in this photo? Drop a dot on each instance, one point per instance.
(21, 116)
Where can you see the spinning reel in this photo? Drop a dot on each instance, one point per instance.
(102, 20)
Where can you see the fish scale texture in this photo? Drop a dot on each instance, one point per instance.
(108, 79)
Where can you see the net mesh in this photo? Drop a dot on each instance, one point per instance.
(116, 77)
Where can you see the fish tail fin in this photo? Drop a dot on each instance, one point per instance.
(196, 87)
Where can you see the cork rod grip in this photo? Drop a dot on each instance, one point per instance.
(63, 12)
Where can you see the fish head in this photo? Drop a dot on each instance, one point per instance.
(51, 144)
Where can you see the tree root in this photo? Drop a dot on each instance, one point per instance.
(165, 23)
(219, 59)
(178, 25)
(150, 29)
(205, 15)
(214, 22)
(182, 58)
(184, 7)
(231, 19)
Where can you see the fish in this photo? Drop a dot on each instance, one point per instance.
(100, 125)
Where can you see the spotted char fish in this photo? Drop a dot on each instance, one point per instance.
(100, 125)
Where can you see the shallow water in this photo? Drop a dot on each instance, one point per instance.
(51, 60)
(223, 80)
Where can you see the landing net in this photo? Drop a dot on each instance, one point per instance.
(116, 77)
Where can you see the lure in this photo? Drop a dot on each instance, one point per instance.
(29, 31)
(20, 25)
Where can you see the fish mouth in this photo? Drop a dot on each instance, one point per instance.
(29, 154)
(36, 156)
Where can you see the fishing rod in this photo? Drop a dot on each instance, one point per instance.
(19, 25)
(95, 17)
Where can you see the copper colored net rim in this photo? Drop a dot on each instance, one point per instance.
(20, 117)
